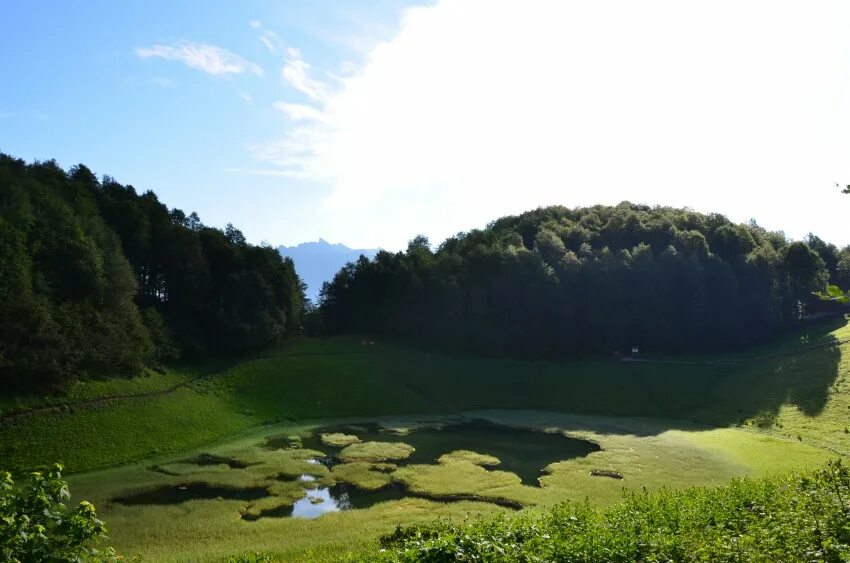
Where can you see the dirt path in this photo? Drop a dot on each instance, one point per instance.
(104, 400)
(100, 401)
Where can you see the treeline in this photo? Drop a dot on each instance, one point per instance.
(96, 279)
(558, 281)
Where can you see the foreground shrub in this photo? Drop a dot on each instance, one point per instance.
(37, 525)
(803, 517)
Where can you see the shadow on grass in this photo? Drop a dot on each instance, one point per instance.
(798, 369)
(803, 375)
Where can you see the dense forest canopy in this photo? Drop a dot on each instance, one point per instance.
(99, 280)
(558, 281)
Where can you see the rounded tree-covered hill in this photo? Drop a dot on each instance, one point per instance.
(559, 281)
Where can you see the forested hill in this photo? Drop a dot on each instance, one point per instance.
(558, 281)
(96, 279)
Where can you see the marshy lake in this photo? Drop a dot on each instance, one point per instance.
(524, 452)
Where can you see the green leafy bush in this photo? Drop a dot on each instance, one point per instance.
(37, 525)
(794, 518)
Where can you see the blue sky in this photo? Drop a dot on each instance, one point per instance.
(370, 122)
(75, 89)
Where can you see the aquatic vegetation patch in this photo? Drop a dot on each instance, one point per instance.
(376, 451)
(283, 442)
(521, 449)
(268, 506)
(467, 481)
(268, 478)
(475, 458)
(338, 439)
(364, 475)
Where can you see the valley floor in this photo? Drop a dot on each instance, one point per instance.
(660, 425)
(647, 452)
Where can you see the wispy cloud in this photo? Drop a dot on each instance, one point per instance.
(296, 72)
(274, 172)
(272, 42)
(246, 97)
(299, 112)
(268, 44)
(210, 59)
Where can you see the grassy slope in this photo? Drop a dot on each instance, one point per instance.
(805, 394)
(315, 379)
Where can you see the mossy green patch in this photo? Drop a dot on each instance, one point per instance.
(338, 439)
(256, 508)
(463, 479)
(376, 451)
(471, 457)
(364, 475)
(284, 493)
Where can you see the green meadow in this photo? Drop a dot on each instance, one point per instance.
(687, 421)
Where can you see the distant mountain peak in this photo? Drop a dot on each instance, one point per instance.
(317, 262)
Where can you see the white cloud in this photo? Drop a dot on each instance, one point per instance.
(248, 98)
(206, 58)
(296, 72)
(255, 24)
(299, 112)
(479, 108)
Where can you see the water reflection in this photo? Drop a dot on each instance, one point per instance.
(317, 502)
(175, 494)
